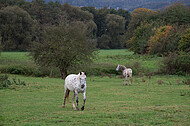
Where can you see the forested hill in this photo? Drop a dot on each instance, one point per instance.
(125, 4)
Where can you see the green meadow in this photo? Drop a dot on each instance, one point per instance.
(151, 100)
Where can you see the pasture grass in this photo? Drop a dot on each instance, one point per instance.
(154, 101)
(16, 56)
(105, 62)
(127, 58)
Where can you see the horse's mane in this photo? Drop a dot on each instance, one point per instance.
(122, 67)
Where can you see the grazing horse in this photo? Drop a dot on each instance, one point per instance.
(126, 72)
(77, 84)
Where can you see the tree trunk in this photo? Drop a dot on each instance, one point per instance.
(63, 74)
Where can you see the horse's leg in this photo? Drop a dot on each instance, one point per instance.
(84, 99)
(123, 80)
(130, 79)
(65, 98)
(126, 79)
(73, 101)
(77, 100)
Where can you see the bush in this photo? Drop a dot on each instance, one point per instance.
(137, 68)
(5, 82)
(99, 69)
(176, 64)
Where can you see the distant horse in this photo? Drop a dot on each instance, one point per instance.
(126, 72)
(77, 84)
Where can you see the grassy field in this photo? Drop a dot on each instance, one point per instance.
(107, 60)
(159, 100)
(126, 57)
(108, 102)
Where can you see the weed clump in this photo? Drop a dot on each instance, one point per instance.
(6, 82)
(178, 64)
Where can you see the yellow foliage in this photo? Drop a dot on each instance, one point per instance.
(184, 43)
(141, 11)
(156, 40)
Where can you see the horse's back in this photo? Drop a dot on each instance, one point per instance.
(71, 81)
(128, 71)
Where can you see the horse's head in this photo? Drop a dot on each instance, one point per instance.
(82, 78)
(118, 66)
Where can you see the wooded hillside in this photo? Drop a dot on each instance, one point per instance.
(124, 4)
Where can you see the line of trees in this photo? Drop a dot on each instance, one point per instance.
(159, 32)
(65, 36)
(22, 23)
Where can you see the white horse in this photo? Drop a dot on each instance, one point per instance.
(77, 84)
(126, 72)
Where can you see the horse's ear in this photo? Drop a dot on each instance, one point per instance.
(80, 73)
(84, 73)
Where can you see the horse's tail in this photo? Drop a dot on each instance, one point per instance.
(67, 94)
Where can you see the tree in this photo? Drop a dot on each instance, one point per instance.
(177, 14)
(73, 14)
(16, 28)
(139, 42)
(104, 41)
(184, 42)
(64, 46)
(137, 17)
(0, 46)
(158, 43)
(115, 25)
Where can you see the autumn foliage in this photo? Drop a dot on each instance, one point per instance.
(184, 43)
(159, 32)
(157, 45)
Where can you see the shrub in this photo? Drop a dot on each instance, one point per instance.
(176, 64)
(5, 82)
(137, 68)
(99, 69)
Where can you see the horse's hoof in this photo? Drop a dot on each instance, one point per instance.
(82, 108)
(63, 106)
(74, 108)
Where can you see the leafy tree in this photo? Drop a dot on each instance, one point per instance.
(115, 25)
(73, 14)
(177, 14)
(100, 20)
(184, 43)
(126, 14)
(54, 9)
(138, 16)
(104, 41)
(16, 27)
(139, 42)
(0, 46)
(39, 11)
(63, 46)
(158, 43)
